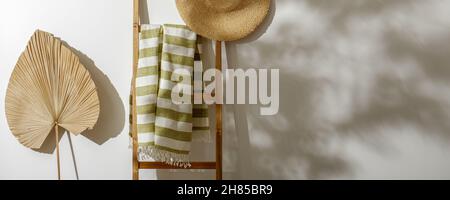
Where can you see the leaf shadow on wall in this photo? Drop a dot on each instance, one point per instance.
(328, 96)
(111, 119)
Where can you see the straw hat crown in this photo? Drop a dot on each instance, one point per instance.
(224, 20)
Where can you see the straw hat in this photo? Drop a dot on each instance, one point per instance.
(224, 20)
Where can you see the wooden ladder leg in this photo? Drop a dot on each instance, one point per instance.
(135, 169)
(218, 115)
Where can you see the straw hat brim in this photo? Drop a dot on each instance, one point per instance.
(223, 26)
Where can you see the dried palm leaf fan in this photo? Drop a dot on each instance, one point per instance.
(49, 88)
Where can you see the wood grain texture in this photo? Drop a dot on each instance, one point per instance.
(135, 167)
(218, 115)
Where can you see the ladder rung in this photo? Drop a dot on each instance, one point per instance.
(161, 165)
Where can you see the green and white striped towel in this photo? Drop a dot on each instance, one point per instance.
(165, 129)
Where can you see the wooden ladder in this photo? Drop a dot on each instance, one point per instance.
(137, 165)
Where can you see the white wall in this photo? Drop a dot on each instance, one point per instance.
(364, 90)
